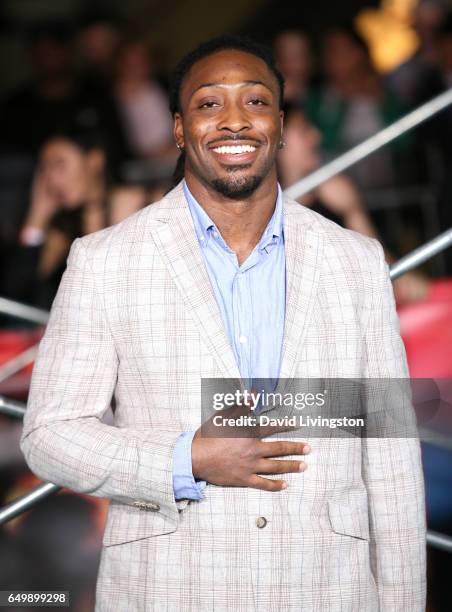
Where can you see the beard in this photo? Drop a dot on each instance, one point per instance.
(237, 187)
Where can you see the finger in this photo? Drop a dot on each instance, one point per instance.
(279, 466)
(279, 448)
(266, 484)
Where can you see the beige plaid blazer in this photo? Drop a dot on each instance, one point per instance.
(135, 322)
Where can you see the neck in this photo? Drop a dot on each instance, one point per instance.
(240, 222)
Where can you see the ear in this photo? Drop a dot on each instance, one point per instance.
(178, 129)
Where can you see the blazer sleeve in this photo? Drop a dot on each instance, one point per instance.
(64, 440)
(392, 468)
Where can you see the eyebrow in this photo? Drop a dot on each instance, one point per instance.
(241, 84)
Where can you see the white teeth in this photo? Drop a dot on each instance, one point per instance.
(235, 149)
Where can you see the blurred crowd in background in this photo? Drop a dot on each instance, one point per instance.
(88, 141)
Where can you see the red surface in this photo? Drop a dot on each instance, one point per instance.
(12, 343)
(426, 329)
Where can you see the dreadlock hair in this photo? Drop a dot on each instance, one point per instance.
(209, 47)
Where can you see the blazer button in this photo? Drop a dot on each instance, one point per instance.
(261, 521)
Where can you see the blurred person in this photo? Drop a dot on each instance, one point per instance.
(143, 102)
(294, 58)
(194, 287)
(98, 38)
(428, 18)
(56, 98)
(408, 79)
(337, 199)
(71, 196)
(354, 105)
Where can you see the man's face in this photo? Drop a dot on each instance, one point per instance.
(230, 124)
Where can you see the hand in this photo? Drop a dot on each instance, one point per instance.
(231, 461)
(43, 203)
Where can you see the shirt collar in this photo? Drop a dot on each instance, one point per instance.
(203, 223)
(201, 219)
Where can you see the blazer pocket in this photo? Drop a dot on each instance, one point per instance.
(350, 518)
(126, 523)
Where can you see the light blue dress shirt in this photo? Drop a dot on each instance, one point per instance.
(251, 298)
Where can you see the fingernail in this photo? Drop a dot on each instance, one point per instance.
(303, 466)
(306, 449)
(284, 485)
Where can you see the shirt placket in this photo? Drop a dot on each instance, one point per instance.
(243, 315)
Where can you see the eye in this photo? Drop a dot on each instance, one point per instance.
(257, 102)
(208, 104)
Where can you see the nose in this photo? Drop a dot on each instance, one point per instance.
(233, 119)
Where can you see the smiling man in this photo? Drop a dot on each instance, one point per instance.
(225, 278)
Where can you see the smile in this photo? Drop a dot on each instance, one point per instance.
(234, 150)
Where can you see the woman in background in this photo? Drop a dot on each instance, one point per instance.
(71, 196)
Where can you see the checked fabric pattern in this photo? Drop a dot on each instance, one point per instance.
(135, 319)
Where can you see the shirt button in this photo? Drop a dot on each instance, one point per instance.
(261, 521)
(243, 339)
(215, 234)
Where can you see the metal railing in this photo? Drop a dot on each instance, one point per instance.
(23, 311)
(17, 363)
(12, 408)
(407, 263)
(370, 145)
(421, 254)
(26, 501)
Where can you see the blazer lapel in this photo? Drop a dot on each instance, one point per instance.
(176, 240)
(303, 248)
(178, 245)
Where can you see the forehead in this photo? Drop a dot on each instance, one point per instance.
(60, 148)
(227, 67)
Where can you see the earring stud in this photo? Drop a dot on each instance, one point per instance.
(282, 144)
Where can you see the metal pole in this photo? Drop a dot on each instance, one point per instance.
(11, 407)
(421, 254)
(23, 311)
(17, 363)
(27, 501)
(439, 540)
(370, 145)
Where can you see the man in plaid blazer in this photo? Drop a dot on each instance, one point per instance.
(139, 318)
